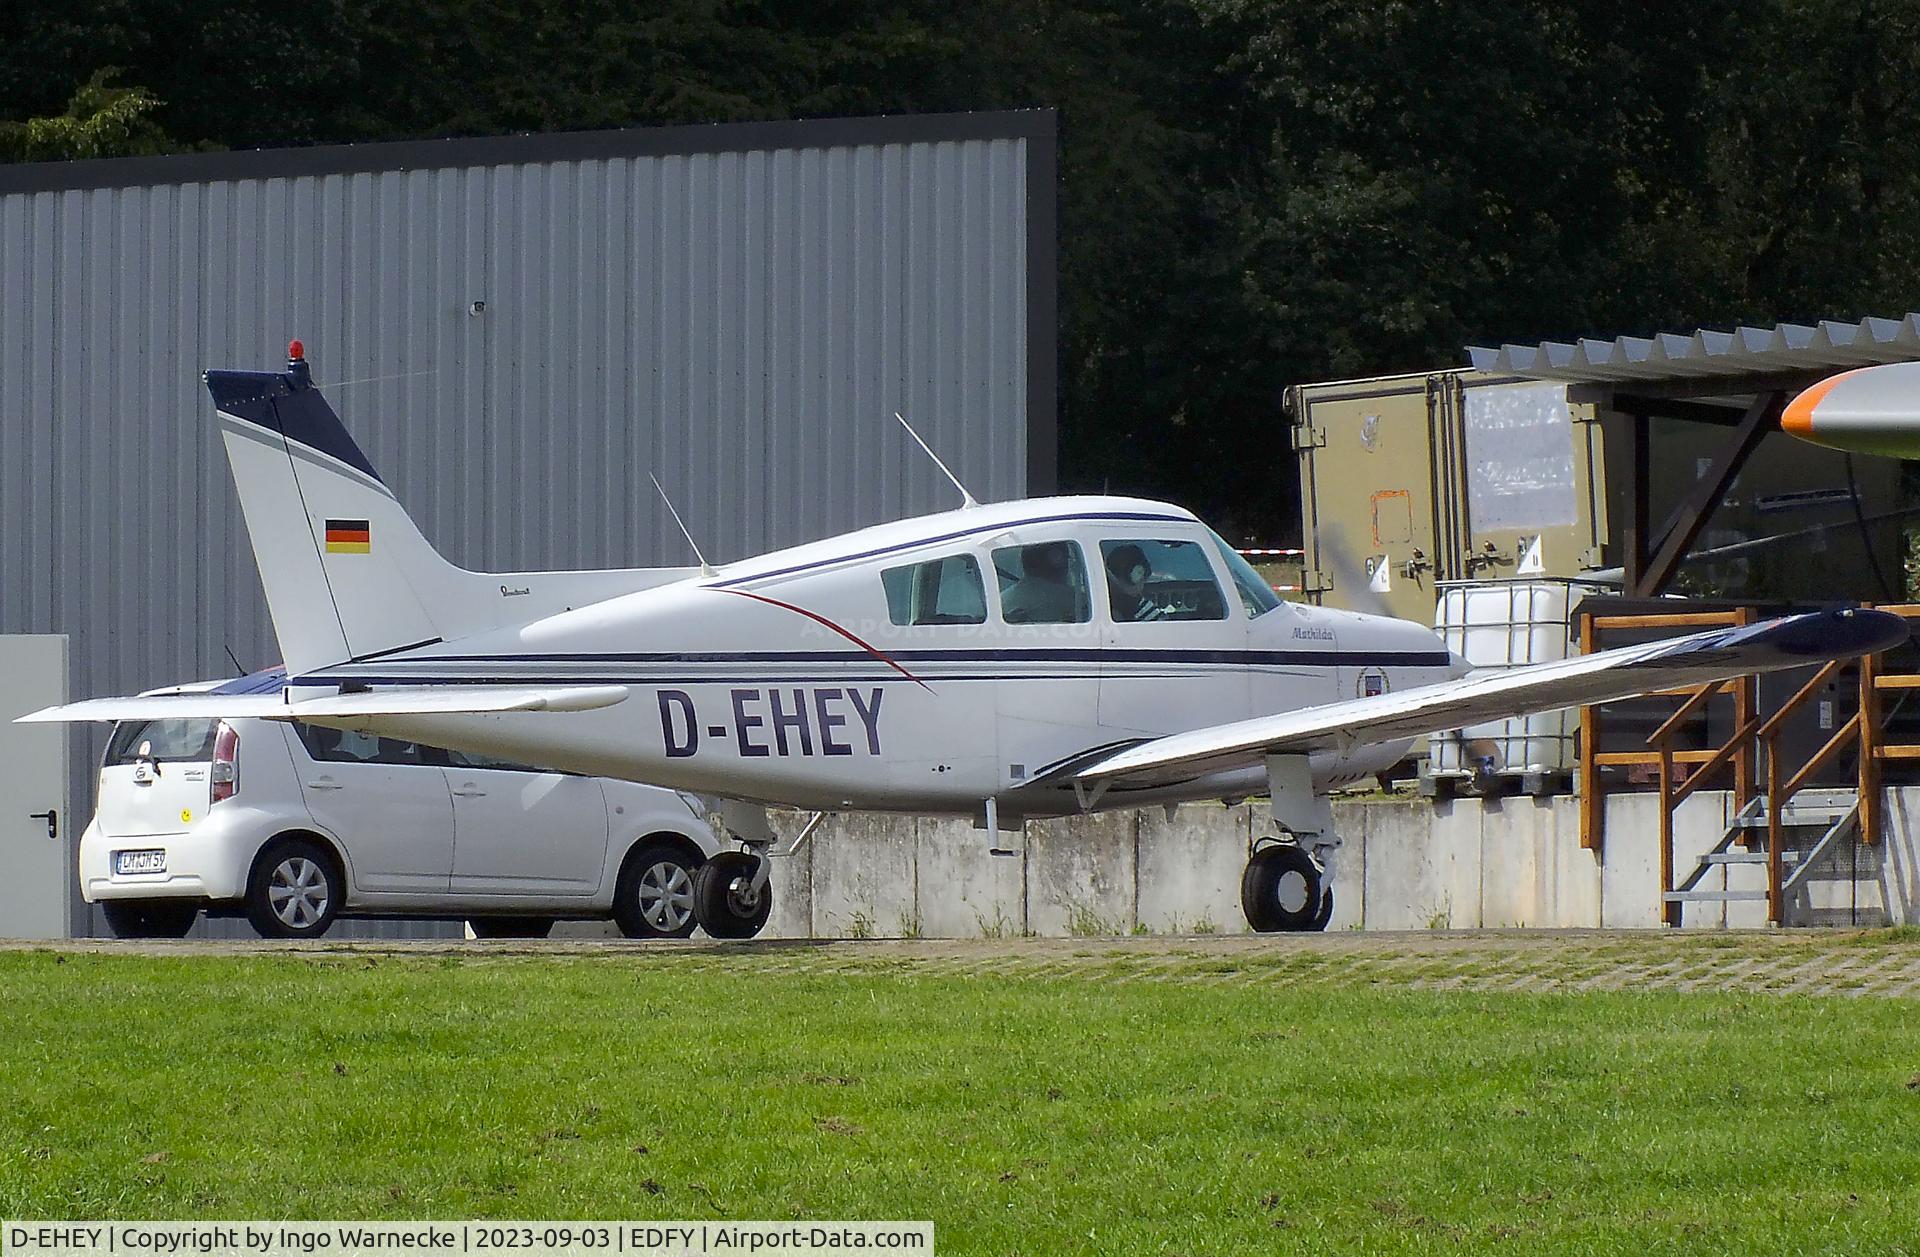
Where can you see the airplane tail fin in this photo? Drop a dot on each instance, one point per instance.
(346, 571)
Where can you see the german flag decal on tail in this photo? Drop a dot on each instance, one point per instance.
(348, 536)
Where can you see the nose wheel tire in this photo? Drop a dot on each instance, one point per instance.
(723, 898)
(1282, 890)
(294, 890)
(654, 896)
(150, 918)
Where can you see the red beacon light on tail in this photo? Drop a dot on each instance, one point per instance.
(297, 364)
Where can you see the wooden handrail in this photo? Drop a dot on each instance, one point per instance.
(1699, 777)
(1841, 736)
(1685, 710)
(1820, 678)
(1896, 751)
(1633, 759)
(1682, 619)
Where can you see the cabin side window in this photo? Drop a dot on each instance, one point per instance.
(1160, 580)
(939, 591)
(1043, 583)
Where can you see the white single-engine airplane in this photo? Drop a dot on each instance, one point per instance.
(1009, 660)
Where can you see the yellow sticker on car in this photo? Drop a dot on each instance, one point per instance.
(186, 816)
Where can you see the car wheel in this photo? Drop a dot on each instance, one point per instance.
(722, 898)
(510, 927)
(654, 895)
(150, 918)
(294, 890)
(1281, 890)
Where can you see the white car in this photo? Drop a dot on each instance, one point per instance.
(294, 826)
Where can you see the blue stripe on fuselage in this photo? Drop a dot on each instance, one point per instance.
(1001, 654)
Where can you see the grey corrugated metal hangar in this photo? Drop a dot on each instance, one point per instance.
(518, 330)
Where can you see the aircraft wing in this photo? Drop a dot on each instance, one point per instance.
(438, 700)
(1629, 671)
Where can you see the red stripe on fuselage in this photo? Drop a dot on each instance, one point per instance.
(817, 618)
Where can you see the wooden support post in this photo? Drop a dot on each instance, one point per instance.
(1746, 701)
(1869, 717)
(1592, 811)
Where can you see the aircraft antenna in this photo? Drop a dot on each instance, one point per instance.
(966, 499)
(706, 568)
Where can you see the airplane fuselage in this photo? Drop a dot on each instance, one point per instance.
(925, 666)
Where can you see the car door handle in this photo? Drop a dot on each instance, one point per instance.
(52, 817)
(469, 792)
(323, 783)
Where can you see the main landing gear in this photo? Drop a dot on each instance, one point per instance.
(1287, 882)
(1284, 889)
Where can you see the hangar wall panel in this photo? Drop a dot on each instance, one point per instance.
(738, 310)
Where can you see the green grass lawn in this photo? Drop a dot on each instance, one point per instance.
(1069, 1111)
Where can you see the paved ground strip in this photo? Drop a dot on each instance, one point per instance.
(1877, 963)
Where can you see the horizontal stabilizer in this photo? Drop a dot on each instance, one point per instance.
(440, 700)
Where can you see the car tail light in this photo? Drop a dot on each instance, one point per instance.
(226, 774)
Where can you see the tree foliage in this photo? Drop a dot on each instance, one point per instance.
(101, 120)
(1254, 193)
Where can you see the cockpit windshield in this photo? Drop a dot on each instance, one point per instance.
(1255, 594)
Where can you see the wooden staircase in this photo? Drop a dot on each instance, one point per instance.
(1784, 823)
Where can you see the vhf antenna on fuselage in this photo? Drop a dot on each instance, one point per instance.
(706, 568)
(966, 499)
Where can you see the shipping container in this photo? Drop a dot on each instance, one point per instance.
(1411, 481)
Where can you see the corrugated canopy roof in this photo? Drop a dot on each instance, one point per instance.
(1705, 354)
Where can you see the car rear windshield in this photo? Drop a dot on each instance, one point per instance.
(168, 741)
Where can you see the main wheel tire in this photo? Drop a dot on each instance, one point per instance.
(1281, 891)
(1325, 914)
(718, 899)
(150, 918)
(510, 927)
(294, 890)
(654, 896)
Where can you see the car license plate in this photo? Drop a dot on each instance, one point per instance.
(126, 862)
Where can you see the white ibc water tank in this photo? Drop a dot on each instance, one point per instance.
(1507, 624)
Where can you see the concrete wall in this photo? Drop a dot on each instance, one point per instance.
(1404, 865)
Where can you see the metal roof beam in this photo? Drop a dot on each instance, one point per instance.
(1762, 417)
(1673, 408)
(1731, 384)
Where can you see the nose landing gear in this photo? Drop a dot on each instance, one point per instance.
(731, 895)
(732, 891)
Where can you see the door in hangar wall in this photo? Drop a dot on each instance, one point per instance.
(36, 837)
